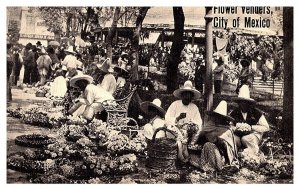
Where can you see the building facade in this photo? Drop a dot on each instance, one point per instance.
(31, 28)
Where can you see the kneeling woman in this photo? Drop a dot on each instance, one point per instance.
(90, 102)
(220, 147)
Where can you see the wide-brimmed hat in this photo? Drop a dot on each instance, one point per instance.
(156, 103)
(70, 50)
(38, 43)
(123, 54)
(105, 66)
(76, 78)
(220, 111)
(244, 62)
(244, 95)
(122, 70)
(219, 59)
(187, 87)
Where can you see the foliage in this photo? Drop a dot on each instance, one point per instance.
(13, 32)
(242, 47)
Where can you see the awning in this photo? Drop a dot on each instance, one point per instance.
(152, 38)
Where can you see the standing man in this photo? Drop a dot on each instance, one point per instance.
(218, 74)
(30, 65)
(39, 45)
(43, 64)
(70, 61)
(9, 67)
(18, 60)
(246, 76)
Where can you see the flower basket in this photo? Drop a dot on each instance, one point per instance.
(162, 152)
(34, 140)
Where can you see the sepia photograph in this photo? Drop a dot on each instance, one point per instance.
(149, 94)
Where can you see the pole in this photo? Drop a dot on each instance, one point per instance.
(163, 39)
(288, 93)
(193, 38)
(208, 62)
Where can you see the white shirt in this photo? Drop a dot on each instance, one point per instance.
(70, 62)
(94, 94)
(109, 83)
(191, 110)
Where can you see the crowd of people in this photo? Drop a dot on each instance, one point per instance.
(65, 70)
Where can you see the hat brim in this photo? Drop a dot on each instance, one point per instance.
(110, 70)
(121, 70)
(177, 93)
(245, 61)
(72, 52)
(146, 105)
(213, 113)
(248, 100)
(80, 77)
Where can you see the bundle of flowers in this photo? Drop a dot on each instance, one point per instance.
(34, 140)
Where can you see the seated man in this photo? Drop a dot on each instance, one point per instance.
(249, 120)
(90, 101)
(220, 137)
(182, 112)
(156, 114)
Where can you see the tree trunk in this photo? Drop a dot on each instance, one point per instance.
(112, 32)
(8, 94)
(68, 26)
(84, 28)
(288, 31)
(177, 47)
(135, 41)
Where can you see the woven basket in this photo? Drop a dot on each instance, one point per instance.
(162, 152)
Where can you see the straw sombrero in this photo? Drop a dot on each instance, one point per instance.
(70, 50)
(221, 111)
(76, 78)
(121, 70)
(219, 59)
(245, 61)
(156, 103)
(244, 95)
(105, 66)
(187, 87)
